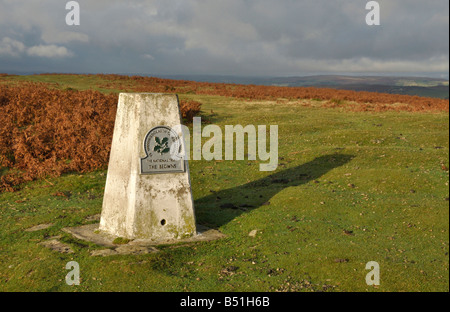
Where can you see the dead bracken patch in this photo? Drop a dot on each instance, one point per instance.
(352, 100)
(47, 132)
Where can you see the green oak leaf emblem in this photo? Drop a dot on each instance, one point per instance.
(162, 146)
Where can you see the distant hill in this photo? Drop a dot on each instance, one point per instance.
(441, 92)
(420, 86)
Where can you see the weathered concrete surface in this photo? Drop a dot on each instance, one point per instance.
(56, 245)
(91, 233)
(204, 234)
(124, 250)
(39, 227)
(135, 206)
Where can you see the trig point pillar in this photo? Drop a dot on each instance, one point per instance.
(148, 192)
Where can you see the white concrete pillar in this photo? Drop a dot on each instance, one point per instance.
(148, 194)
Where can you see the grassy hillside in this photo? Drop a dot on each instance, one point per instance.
(351, 187)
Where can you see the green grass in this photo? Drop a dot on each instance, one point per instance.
(350, 188)
(78, 82)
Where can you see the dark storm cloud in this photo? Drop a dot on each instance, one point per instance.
(240, 37)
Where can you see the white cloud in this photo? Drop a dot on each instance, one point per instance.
(241, 37)
(11, 47)
(56, 36)
(15, 48)
(148, 57)
(362, 65)
(49, 51)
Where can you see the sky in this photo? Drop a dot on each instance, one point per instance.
(226, 37)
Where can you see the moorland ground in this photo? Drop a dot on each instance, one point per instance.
(356, 182)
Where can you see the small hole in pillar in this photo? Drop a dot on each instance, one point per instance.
(163, 222)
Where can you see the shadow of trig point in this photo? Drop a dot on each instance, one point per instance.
(147, 194)
(257, 193)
